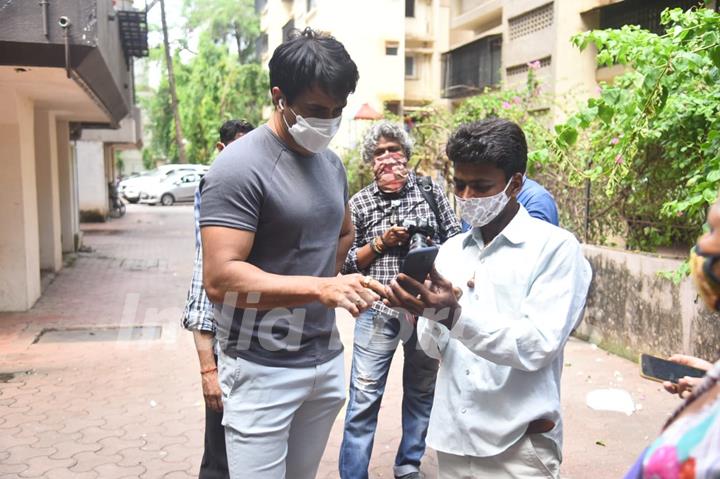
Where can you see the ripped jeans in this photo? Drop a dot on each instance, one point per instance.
(376, 339)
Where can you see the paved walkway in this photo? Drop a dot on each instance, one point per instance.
(115, 408)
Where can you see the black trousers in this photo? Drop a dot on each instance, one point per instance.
(214, 462)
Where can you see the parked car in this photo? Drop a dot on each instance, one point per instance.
(176, 188)
(131, 188)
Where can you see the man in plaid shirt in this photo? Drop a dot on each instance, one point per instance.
(379, 248)
(198, 318)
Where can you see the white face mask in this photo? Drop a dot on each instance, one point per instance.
(313, 134)
(478, 212)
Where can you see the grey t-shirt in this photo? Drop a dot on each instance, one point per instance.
(295, 205)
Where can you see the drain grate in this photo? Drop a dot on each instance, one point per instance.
(79, 335)
(7, 377)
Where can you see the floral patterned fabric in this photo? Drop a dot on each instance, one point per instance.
(689, 448)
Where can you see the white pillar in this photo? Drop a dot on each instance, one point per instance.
(92, 183)
(67, 186)
(48, 191)
(19, 243)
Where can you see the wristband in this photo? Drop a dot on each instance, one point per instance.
(378, 245)
(205, 371)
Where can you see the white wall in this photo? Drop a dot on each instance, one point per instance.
(48, 193)
(92, 187)
(19, 243)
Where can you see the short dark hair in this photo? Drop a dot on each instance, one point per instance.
(310, 59)
(496, 141)
(230, 129)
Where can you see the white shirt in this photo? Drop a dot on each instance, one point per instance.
(500, 365)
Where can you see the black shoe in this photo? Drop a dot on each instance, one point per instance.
(412, 475)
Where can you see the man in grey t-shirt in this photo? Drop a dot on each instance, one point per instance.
(275, 230)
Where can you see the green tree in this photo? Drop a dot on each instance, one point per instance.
(218, 89)
(224, 20)
(650, 143)
(212, 86)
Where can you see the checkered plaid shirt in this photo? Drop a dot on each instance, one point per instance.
(198, 313)
(374, 212)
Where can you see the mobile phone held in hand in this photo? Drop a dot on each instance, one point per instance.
(658, 369)
(419, 262)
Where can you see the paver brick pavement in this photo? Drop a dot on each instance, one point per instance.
(134, 409)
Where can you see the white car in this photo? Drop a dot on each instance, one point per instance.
(131, 188)
(178, 187)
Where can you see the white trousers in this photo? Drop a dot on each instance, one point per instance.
(533, 456)
(277, 420)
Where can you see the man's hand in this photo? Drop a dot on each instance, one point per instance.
(395, 236)
(684, 387)
(436, 294)
(211, 390)
(354, 292)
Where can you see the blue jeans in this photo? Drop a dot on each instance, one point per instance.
(376, 338)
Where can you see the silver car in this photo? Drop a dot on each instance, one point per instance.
(131, 188)
(176, 188)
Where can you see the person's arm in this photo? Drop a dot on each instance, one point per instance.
(198, 318)
(547, 314)
(227, 275)
(685, 386)
(449, 222)
(212, 393)
(346, 240)
(362, 254)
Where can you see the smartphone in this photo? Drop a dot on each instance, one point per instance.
(658, 369)
(419, 262)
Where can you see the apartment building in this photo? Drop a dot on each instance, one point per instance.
(491, 42)
(65, 67)
(397, 45)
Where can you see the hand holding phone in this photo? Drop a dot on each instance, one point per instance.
(419, 262)
(658, 369)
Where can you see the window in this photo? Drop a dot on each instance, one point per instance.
(287, 30)
(469, 69)
(261, 45)
(410, 8)
(410, 67)
(310, 5)
(393, 107)
(640, 12)
(391, 48)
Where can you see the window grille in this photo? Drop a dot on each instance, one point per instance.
(530, 22)
(516, 70)
(645, 13)
(473, 67)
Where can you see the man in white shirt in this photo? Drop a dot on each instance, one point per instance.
(497, 312)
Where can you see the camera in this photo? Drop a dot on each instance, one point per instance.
(419, 230)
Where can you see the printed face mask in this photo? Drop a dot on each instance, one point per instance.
(390, 172)
(478, 212)
(706, 282)
(313, 134)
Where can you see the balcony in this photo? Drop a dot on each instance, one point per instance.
(640, 12)
(467, 14)
(471, 68)
(84, 39)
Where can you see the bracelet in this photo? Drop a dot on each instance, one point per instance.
(379, 250)
(205, 371)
